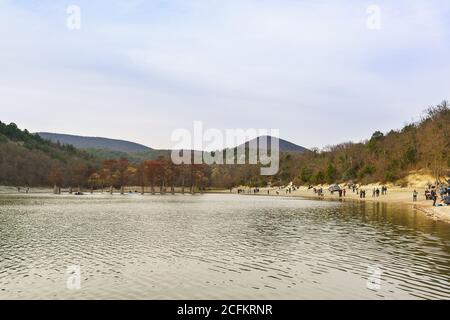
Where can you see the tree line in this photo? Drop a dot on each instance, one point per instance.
(160, 175)
(423, 145)
(28, 160)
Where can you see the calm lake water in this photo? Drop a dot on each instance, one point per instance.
(219, 247)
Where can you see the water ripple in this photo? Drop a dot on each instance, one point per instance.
(218, 247)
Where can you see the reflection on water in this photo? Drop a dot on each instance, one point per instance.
(219, 247)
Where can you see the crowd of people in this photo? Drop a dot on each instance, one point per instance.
(440, 195)
(431, 193)
(376, 192)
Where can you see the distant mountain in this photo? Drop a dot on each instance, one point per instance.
(104, 148)
(81, 142)
(284, 145)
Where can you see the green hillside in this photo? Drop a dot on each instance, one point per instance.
(28, 160)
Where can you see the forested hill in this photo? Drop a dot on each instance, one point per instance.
(27, 159)
(385, 157)
(82, 142)
(284, 145)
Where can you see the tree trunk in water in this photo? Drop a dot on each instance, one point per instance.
(152, 188)
(55, 189)
(70, 190)
(92, 189)
(59, 190)
(172, 189)
(111, 190)
(142, 190)
(122, 190)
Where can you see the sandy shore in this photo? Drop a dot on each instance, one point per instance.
(394, 195)
(13, 190)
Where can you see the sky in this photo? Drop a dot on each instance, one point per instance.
(322, 72)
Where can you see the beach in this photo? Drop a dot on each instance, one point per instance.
(394, 194)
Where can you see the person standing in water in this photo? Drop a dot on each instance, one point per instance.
(415, 196)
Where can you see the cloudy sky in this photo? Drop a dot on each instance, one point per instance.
(138, 70)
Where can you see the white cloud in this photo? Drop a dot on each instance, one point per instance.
(306, 68)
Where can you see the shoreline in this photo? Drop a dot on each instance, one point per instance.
(398, 195)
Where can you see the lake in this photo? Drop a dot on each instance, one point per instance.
(218, 246)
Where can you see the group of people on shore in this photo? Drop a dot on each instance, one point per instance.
(275, 190)
(248, 191)
(318, 191)
(432, 194)
(376, 192)
(19, 189)
(288, 190)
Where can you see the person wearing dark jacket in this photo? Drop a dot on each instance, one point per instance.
(434, 197)
(415, 196)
